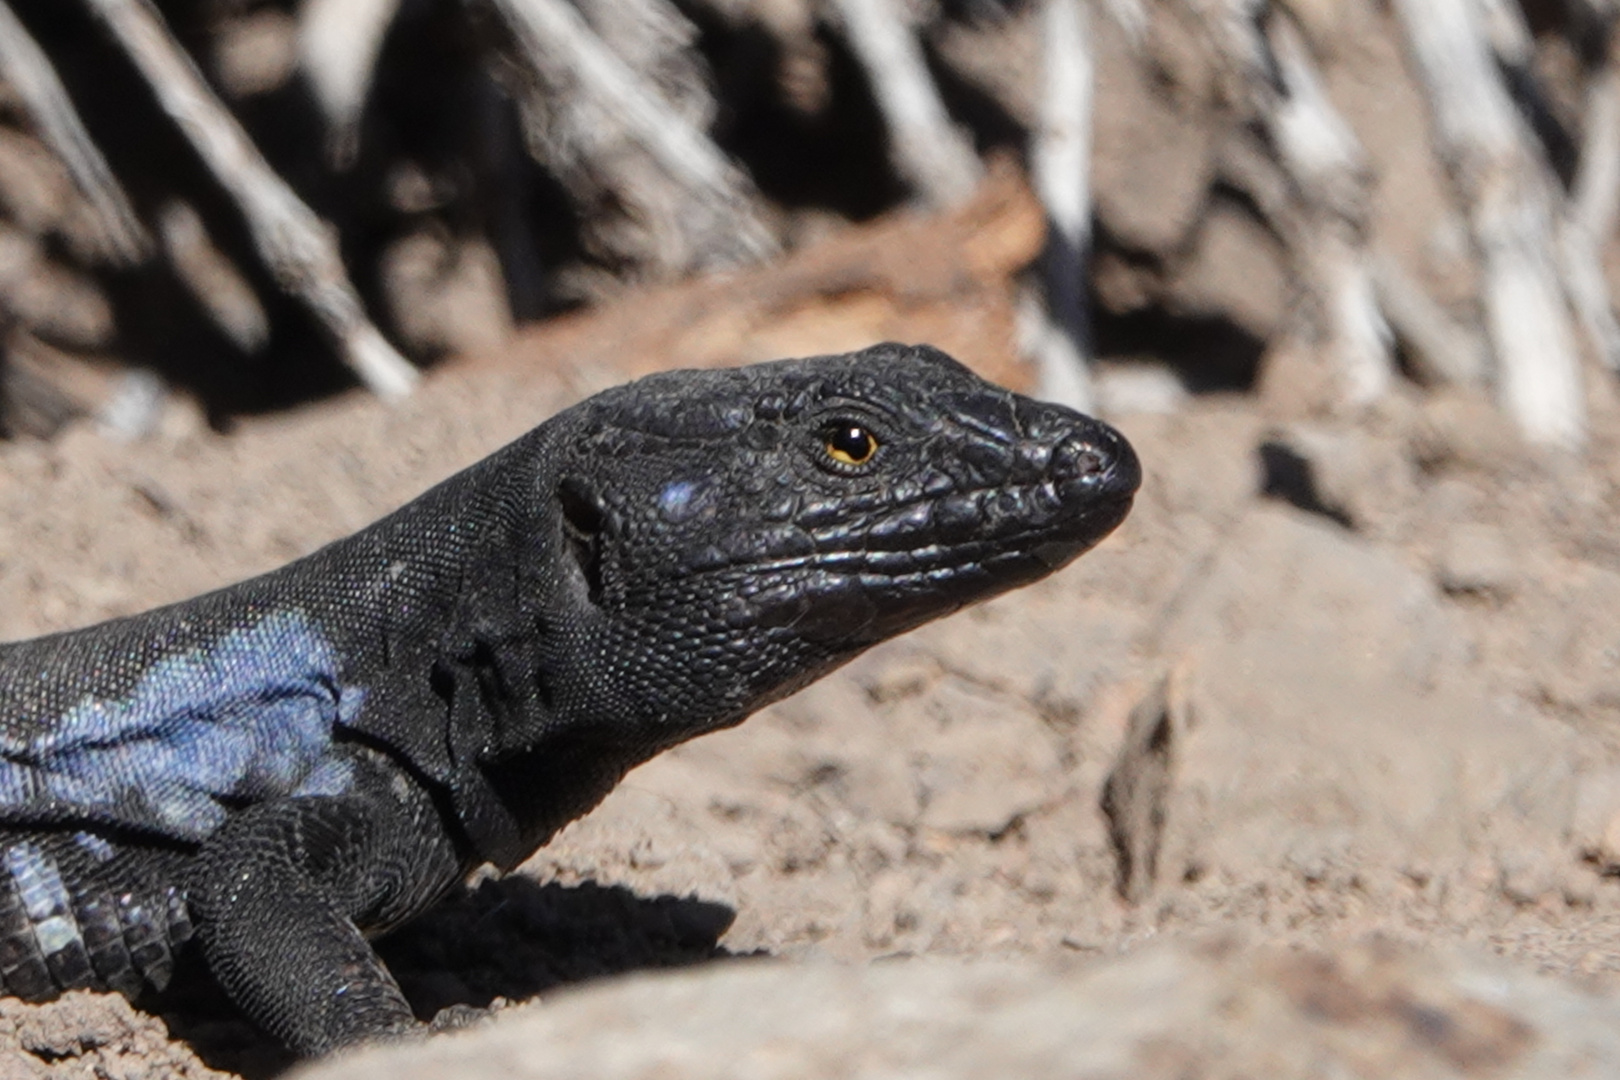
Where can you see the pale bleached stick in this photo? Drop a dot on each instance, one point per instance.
(1589, 211)
(213, 279)
(1328, 167)
(297, 246)
(1307, 174)
(1509, 197)
(1595, 195)
(1131, 16)
(1061, 167)
(338, 45)
(1594, 205)
(611, 104)
(928, 151)
(29, 71)
(1441, 351)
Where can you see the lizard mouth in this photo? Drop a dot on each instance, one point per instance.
(940, 563)
(858, 594)
(1056, 541)
(880, 571)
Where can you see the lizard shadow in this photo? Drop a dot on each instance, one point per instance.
(509, 939)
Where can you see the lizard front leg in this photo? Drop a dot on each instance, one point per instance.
(281, 894)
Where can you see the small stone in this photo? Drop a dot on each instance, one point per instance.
(1237, 270)
(1476, 560)
(1343, 474)
(1596, 824)
(1140, 388)
(1463, 429)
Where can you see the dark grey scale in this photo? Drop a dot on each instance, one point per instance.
(180, 926)
(129, 922)
(104, 941)
(48, 904)
(146, 936)
(22, 966)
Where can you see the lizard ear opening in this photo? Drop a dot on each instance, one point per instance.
(582, 526)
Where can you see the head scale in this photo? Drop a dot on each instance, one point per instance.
(724, 537)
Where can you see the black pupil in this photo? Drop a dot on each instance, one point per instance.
(852, 441)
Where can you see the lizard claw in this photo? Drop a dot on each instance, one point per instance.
(458, 1017)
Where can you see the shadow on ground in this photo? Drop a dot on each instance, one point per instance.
(506, 939)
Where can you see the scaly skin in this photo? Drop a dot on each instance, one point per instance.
(290, 765)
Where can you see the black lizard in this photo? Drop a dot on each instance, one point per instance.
(288, 766)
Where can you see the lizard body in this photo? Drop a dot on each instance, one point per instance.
(278, 770)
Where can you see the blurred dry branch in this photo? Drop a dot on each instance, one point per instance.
(1440, 351)
(339, 42)
(670, 201)
(1510, 201)
(290, 238)
(1310, 177)
(1404, 196)
(1594, 206)
(926, 148)
(30, 74)
(1329, 169)
(1060, 164)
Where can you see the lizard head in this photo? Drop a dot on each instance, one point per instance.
(728, 536)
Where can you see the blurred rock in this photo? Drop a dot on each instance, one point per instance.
(1568, 644)
(1123, 283)
(943, 279)
(1296, 380)
(1153, 150)
(32, 401)
(985, 767)
(446, 294)
(1463, 429)
(1289, 471)
(1338, 725)
(1476, 560)
(1164, 1013)
(640, 831)
(1138, 788)
(55, 301)
(1237, 270)
(1341, 472)
(1596, 830)
(996, 54)
(35, 190)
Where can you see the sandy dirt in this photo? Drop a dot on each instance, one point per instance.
(1335, 679)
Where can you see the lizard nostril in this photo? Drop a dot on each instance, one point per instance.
(1078, 460)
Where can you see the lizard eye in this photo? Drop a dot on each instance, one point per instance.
(849, 443)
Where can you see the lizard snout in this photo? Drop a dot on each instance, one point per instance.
(1098, 457)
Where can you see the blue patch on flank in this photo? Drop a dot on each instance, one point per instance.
(246, 718)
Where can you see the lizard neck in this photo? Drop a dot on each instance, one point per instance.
(434, 613)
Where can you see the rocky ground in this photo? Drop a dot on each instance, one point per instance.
(1314, 765)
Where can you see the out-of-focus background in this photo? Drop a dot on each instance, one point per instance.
(1312, 769)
